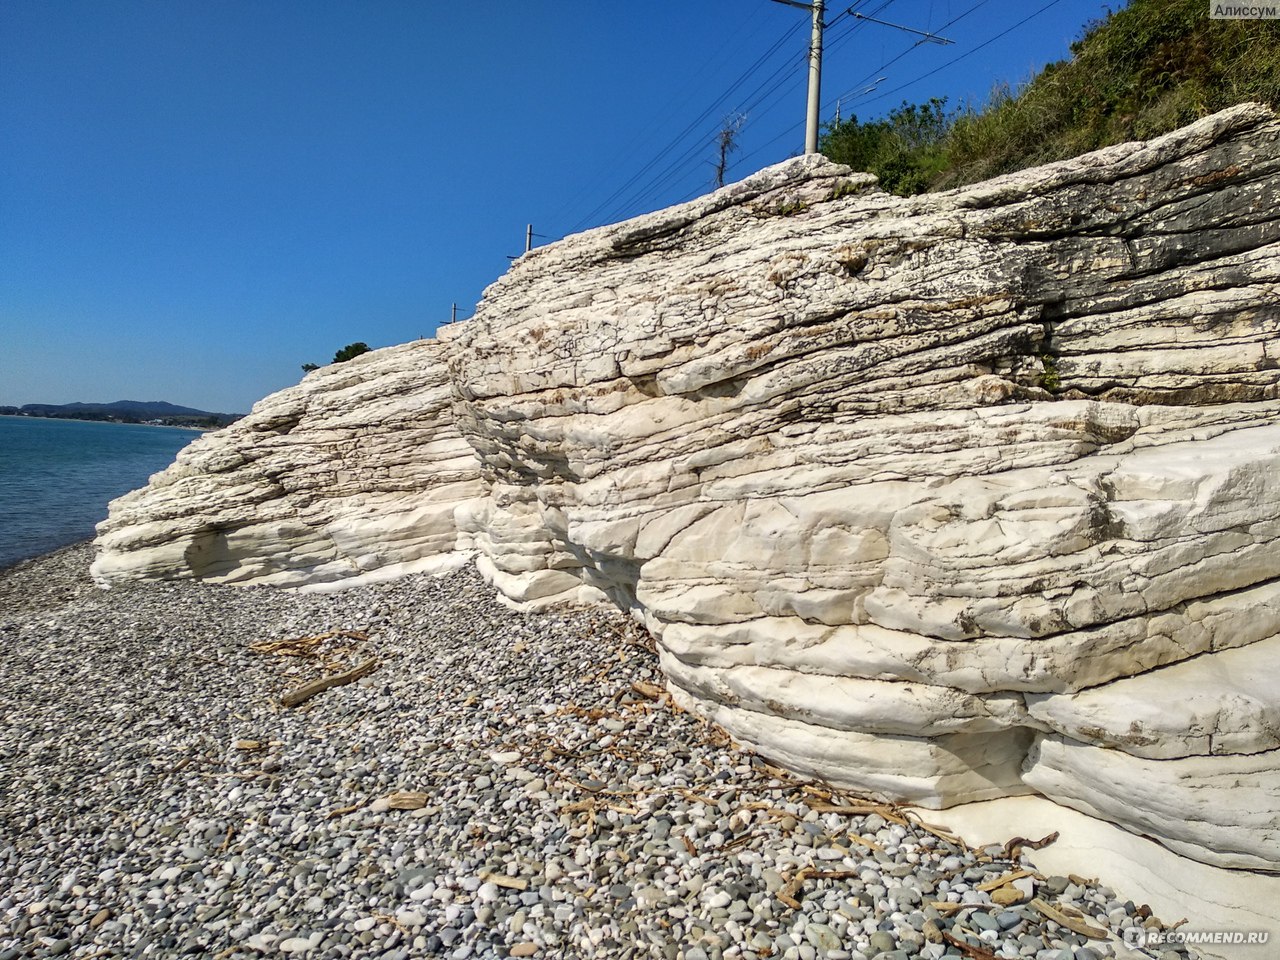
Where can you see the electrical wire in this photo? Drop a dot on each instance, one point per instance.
(767, 92)
(727, 50)
(763, 99)
(681, 164)
(831, 47)
(965, 56)
(688, 129)
(858, 89)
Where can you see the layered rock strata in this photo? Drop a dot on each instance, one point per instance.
(353, 475)
(945, 498)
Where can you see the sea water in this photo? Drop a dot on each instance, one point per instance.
(57, 477)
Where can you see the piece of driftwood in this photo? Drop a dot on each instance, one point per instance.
(943, 906)
(649, 691)
(1014, 846)
(1062, 920)
(408, 800)
(343, 811)
(968, 949)
(999, 882)
(788, 893)
(502, 880)
(309, 690)
(863, 841)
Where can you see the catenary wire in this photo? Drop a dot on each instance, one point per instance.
(728, 49)
(856, 88)
(780, 81)
(688, 129)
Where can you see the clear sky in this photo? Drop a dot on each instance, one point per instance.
(198, 197)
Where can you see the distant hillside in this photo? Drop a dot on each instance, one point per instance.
(1144, 70)
(126, 411)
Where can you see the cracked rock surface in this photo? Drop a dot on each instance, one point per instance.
(943, 498)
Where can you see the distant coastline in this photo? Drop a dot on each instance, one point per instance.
(151, 413)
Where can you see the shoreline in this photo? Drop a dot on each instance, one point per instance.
(502, 784)
(7, 565)
(117, 423)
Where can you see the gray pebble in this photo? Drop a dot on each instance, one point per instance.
(468, 720)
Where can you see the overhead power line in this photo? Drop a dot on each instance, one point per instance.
(970, 53)
(730, 48)
(861, 94)
(929, 37)
(680, 137)
(861, 18)
(857, 87)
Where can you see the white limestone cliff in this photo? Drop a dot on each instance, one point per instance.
(948, 498)
(351, 476)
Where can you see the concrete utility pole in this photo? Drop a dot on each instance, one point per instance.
(816, 9)
(528, 239)
(815, 80)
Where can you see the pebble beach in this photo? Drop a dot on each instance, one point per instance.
(494, 784)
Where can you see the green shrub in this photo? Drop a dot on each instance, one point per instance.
(1145, 70)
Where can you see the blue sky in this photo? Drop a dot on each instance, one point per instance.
(196, 197)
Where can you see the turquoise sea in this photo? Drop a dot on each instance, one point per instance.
(57, 477)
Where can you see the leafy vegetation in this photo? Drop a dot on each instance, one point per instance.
(342, 356)
(350, 351)
(787, 208)
(906, 150)
(1142, 71)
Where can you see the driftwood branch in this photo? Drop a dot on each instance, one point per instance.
(1071, 923)
(1014, 846)
(309, 690)
(968, 949)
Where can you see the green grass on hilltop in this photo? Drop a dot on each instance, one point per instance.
(1145, 70)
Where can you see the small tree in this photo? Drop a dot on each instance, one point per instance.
(349, 351)
(308, 367)
(906, 150)
(728, 142)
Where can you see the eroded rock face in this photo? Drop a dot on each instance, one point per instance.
(943, 498)
(353, 475)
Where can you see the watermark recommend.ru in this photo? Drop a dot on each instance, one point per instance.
(1140, 937)
(1243, 11)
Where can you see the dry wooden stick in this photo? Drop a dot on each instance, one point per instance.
(343, 811)
(1062, 920)
(788, 893)
(1012, 848)
(309, 690)
(870, 844)
(696, 797)
(977, 953)
(945, 906)
(502, 880)
(1001, 881)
